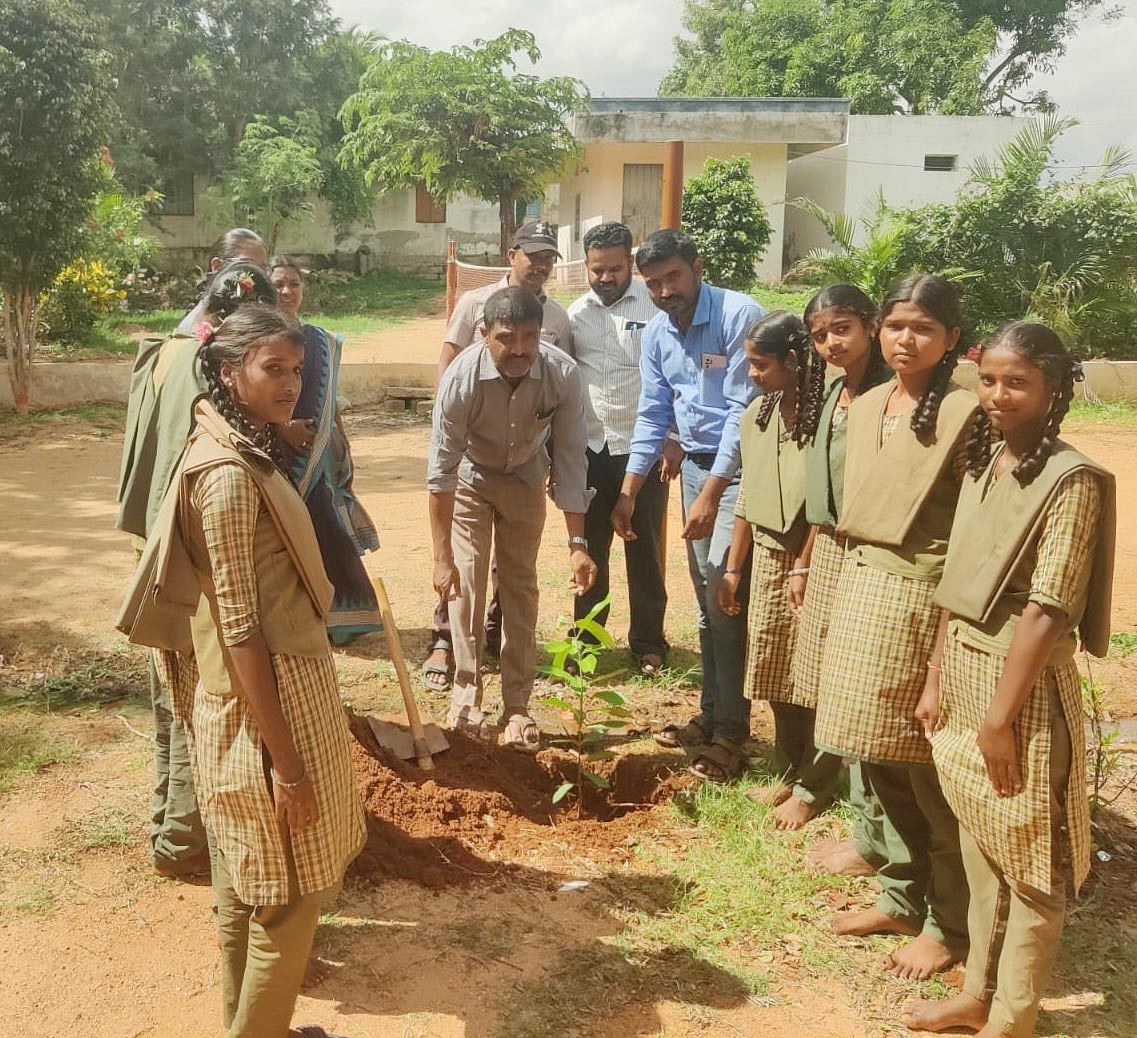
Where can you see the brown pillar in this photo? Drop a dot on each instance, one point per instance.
(672, 210)
(451, 277)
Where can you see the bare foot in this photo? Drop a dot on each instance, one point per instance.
(839, 858)
(920, 958)
(771, 795)
(870, 921)
(943, 1014)
(316, 971)
(793, 813)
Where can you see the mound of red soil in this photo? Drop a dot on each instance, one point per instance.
(481, 805)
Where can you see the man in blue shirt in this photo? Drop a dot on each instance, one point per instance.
(694, 371)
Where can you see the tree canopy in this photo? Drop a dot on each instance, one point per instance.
(958, 57)
(462, 121)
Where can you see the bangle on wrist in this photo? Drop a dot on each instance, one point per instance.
(933, 666)
(575, 543)
(289, 785)
(736, 572)
(799, 571)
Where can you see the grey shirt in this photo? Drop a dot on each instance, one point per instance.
(467, 323)
(484, 429)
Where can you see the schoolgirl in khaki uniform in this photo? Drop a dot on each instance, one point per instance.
(770, 517)
(842, 324)
(232, 588)
(1029, 569)
(904, 464)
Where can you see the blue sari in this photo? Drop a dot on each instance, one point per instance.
(324, 477)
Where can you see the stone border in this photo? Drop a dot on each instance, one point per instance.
(57, 385)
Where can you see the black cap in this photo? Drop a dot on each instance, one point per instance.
(536, 236)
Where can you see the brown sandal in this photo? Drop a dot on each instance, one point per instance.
(680, 736)
(723, 760)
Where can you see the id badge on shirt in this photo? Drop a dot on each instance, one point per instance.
(711, 383)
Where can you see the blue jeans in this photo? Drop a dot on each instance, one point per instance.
(723, 709)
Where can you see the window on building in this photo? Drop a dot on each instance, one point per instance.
(177, 199)
(939, 163)
(427, 210)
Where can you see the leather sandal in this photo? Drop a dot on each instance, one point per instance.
(679, 736)
(723, 760)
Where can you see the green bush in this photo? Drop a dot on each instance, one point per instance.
(1021, 242)
(82, 294)
(721, 211)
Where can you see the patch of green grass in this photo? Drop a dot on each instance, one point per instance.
(112, 828)
(1125, 642)
(106, 338)
(1113, 412)
(69, 680)
(35, 898)
(385, 293)
(782, 297)
(27, 744)
(105, 418)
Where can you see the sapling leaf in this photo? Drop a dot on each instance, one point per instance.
(587, 664)
(562, 791)
(596, 610)
(556, 703)
(555, 647)
(599, 633)
(599, 781)
(618, 711)
(612, 722)
(608, 696)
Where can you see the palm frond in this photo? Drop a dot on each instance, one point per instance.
(1115, 163)
(840, 227)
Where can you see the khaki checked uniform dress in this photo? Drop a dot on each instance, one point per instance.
(882, 632)
(1016, 832)
(1019, 851)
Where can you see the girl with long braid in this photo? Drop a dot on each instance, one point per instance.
(842, 324)
(769, 529)
(1028, 574)
(250, 672)
(905, 461)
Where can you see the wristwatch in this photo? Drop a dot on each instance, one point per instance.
(578, 542)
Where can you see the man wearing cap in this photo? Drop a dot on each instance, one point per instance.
(531, 257)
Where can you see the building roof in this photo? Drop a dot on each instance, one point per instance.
(753, 120)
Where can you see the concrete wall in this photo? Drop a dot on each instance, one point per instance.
(885, 153)
(393, 236)
(600, 185)
(58, 385)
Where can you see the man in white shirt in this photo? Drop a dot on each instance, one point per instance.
(607, 323)
(532, 256)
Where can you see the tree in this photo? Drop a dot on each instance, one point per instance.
(721, 211)
(462, 121)
(1023, 244)
(908, 56)
(54, 93)
(274, 175)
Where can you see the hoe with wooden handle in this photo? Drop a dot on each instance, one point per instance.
(422, 741)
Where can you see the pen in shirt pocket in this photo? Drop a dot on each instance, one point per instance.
(634, 326)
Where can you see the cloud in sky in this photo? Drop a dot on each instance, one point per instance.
(624, 48)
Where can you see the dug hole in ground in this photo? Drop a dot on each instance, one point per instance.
(477, 909)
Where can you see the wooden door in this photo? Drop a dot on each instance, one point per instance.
(643, 198)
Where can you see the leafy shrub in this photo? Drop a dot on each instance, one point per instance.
(82, 293)
(721, 211)
(1023, 243)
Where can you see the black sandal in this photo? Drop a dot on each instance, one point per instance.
(723, 760)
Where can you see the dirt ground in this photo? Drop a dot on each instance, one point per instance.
(415, 341)
(92, 943)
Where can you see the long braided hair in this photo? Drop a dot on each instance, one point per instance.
(846, 299)
(938, 297)
(1043, 347)
(231, 343)
(780, 334)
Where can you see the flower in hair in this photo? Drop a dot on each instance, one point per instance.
(205, 333)
(243, 286)
(1078, 371)
(974, 354)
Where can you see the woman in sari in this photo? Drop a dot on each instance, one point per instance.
(323, 471)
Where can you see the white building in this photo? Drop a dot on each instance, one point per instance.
(912, 160)
(807, 147)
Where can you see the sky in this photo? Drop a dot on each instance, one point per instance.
(623, 48)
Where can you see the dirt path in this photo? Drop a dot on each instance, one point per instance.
(415, 341)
